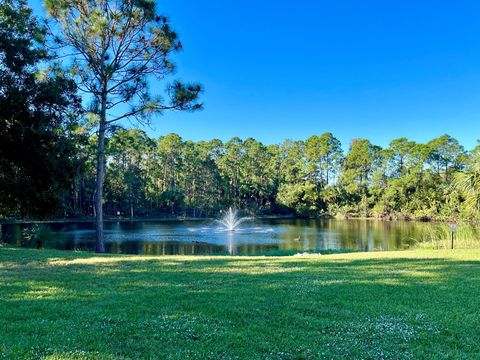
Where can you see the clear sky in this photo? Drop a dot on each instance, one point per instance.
(289, 69)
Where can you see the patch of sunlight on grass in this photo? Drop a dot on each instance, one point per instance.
(40, 292)
(90, 261)
(329, 282)
(73, 355)
(249, 260)
(140, 271)
(246, 270)
(431, 273)
(150, 285)
(106, 270)
(128, 259)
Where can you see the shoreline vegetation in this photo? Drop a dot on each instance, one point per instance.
(392, 305)
(128, 219)
(190, 218)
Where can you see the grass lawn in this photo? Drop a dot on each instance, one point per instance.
(399, 305)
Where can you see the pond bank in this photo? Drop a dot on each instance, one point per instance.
(127, 219)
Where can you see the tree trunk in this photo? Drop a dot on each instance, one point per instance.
(327, 161)
(100, 241)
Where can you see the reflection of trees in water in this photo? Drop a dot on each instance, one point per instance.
(287, 234)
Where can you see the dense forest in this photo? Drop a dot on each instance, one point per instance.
(170, 176)
(48, 144)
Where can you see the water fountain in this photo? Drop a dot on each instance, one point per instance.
(230, 220)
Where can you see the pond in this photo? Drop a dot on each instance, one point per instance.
(254, 237)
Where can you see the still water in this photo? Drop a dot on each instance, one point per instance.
(259, 236)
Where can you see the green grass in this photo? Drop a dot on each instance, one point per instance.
(398, 305)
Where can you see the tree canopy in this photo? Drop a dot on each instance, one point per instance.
(38, 112)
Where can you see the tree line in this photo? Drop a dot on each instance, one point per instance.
(51, 164)
(167, 175)
(170, 176)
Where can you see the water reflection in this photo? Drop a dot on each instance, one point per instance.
(206, 237)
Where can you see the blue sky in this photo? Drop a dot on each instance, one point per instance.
(289, 69)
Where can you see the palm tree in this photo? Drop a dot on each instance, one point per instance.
(468, 184)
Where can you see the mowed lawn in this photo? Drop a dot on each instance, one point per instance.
(398, 305)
